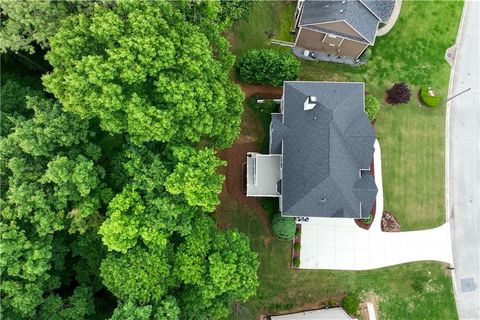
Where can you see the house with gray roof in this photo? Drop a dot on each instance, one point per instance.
(321, 151)
(341, 28)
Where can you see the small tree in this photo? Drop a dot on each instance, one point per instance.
(371, 107)
(351, 303)
(283, 228)
(267, 66)
(399, 93)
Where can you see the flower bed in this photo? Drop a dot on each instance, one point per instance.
(296, 247)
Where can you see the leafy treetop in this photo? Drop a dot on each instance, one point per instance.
(142, 69)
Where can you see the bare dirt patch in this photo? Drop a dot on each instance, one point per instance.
(389, 222)
(261, 91)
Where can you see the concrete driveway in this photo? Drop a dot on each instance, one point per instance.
(463, 163)
(339, 244)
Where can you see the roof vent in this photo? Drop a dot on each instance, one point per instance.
(343, 1)
(341, 11)
(327, 5)
(310, 103)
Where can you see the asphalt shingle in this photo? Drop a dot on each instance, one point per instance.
(324, 149)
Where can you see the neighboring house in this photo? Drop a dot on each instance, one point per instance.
(321, 150)
(321, 314)
(342, 28)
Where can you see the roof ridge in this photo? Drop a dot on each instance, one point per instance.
(370, 10)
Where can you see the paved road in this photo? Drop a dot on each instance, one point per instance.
(463, 165)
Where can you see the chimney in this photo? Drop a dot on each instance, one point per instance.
(310, 103)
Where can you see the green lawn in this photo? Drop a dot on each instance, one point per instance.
(412, 141)
(412, 138)
(282, 288)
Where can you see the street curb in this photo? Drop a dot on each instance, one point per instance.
(447, 145)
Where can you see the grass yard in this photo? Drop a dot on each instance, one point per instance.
(412, 141)
(412, 138)
(282, 288)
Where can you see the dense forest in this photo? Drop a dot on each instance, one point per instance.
(112, 113)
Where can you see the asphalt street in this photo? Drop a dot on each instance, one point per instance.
(463, 165)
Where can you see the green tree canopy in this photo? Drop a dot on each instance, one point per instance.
(140, 275)
(216, 269)
(51, 182)
(195, 176)
(29, 22)
(142, 69)
(51, 170)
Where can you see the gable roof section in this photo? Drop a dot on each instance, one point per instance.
(382, 9)
(355, 13)
(324, 150)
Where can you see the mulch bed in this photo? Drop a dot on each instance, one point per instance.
(389, 222)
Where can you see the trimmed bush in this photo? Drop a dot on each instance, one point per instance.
(399, 93)
(297, 246)
(428, 100)
(267, 66)
(296, 262)
(283, 228)
(371, 107)
(298, 233)
(365, 55)
(368, 220)
(351, 303)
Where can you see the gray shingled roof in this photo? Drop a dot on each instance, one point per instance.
(355, 12)
(324, 150)
(381, 8)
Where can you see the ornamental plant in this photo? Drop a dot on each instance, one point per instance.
(283, 228)
(399, 93)
(371, 107)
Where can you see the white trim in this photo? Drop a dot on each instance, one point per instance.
(370, 10)
(366, 46)
(345, 21)
(324, 32)
(296, 39)
(312, 24)
(361, 34)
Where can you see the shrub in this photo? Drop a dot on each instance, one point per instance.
(267, 66)
(297, 246)
(283, 228)
(296, 262)
(418, 283)
(428, 100)
(368, 220)
(351, 303)
(371, 107)
(399, 93)
(365, 55)
(332, 303)
(298, 233)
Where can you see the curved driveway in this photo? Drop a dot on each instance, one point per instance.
(339, 244)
